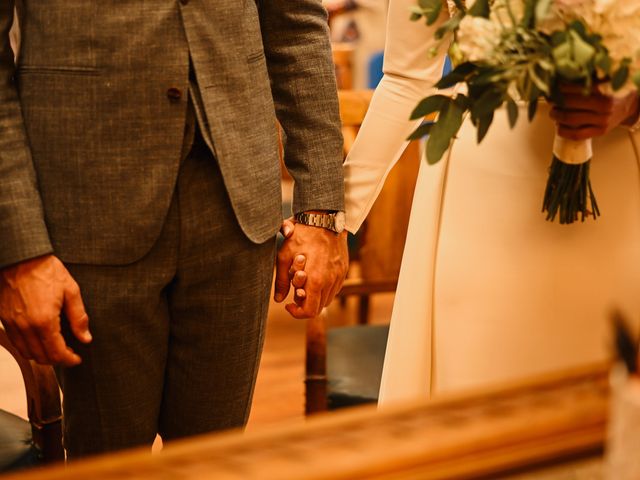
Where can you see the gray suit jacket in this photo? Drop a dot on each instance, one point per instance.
(92, 118)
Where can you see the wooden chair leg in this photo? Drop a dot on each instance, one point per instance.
(316, 366)
(363, 314)
(43, 400)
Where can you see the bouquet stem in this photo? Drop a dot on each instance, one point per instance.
(568, 194)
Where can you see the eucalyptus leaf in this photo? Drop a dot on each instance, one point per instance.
(487, 103)
(448, 26)
(431, 9)
(541, 83)
(512, 111)
(443, 131)
(620, 76)
(603, 61)
(431, 104)
(528, 17)
(532, 108)
(457, 75)
(480, 8)
(484, 123)
(421, 131)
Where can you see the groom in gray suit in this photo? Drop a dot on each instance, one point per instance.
(140, 199)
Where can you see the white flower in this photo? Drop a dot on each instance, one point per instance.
(478, 38)
(618, 21)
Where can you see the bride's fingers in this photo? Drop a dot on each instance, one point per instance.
(299, 279)
(299, 262)
(287, 228)
(578, 119)
(299, 296)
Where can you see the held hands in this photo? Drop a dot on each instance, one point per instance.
(587, 116)
(314, 260)
(32, 295)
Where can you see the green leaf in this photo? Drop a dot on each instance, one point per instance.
(603, 61)
(620, 76)
(558, 37)
(636, 79)
(462, 101)
(483, 126)
(443, 131)
(449, 80)
(416, 13)
(533, 108)
(448, 26)
(431, 10)
(528, 17)
(421, 131)
(512, 111)
(433, 103)
(480, 8)
(536, 78)
(457, 75)
(487, 103)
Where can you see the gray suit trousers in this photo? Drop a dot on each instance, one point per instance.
(177, 334)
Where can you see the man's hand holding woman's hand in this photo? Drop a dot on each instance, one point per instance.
(586, 116)
(32, 296)
(314, 261)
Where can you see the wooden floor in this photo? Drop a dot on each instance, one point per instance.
(279, 391)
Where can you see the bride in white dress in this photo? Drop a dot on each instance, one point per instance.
(489, 291)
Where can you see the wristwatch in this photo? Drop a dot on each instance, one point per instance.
(333, 221)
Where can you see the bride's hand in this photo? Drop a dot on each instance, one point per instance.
(587, 116)
(297, 275)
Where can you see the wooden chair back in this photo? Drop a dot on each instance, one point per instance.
(43, 403)
(381, 248)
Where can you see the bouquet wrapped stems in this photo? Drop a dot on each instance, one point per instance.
(568, 194)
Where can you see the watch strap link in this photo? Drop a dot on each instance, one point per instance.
(327, 221)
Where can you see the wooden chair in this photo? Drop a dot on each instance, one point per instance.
(39, 440)
(343, 63)
(343, 365)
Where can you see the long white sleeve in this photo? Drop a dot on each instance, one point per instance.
(409, 75)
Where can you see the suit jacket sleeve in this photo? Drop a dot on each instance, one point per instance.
(298, 52)
(23, 234)
(409, 75)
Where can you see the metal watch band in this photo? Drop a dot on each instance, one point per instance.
(333, 221)
(317, 220)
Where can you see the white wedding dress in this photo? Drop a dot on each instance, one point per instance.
(489, 291)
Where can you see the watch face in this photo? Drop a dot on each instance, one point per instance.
(339, 220)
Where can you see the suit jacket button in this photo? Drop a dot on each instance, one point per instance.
(174, 94)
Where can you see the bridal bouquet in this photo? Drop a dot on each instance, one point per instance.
(509, 50)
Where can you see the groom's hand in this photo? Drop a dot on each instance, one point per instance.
(323, 256)
(32, 296)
